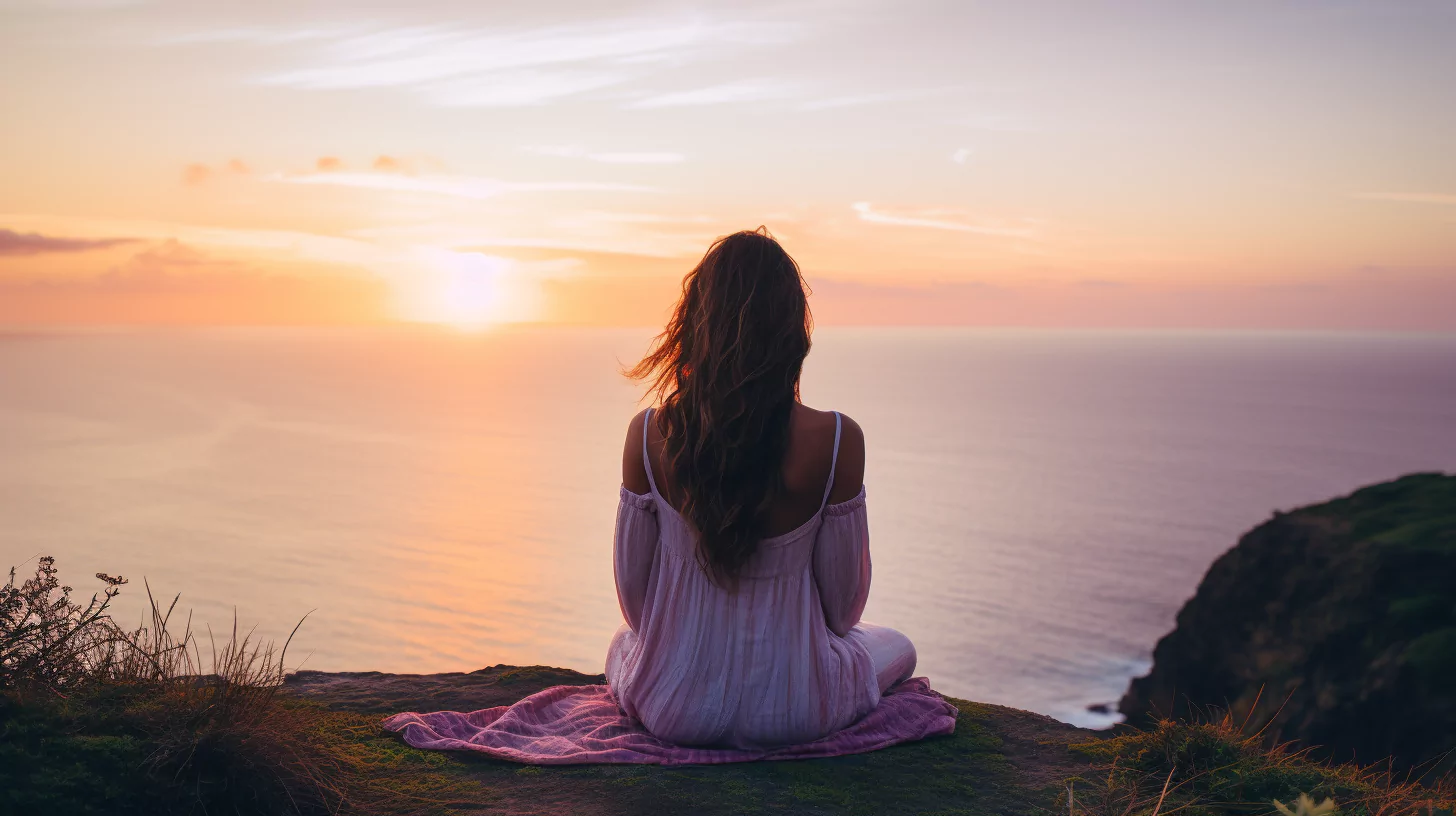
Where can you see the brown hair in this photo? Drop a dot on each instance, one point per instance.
(725, 371)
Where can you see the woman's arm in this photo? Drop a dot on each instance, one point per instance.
(842, 564)
(634, 470)
(633, 552)
(842, 547)
(634, 546)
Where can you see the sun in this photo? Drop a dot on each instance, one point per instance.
(470, 290)
(470, 294)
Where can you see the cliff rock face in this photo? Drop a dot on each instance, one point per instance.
(1343, 613)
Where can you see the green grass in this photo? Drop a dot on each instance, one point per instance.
(115, 751)
(1416, 512)
(1213, 768)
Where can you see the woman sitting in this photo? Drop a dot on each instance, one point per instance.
(742, 546)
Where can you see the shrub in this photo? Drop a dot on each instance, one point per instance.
(97, 719)
(47, 640)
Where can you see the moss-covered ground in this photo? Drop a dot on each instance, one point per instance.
(999, 761)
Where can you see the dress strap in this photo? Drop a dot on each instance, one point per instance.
(647, 461)
(833, 463)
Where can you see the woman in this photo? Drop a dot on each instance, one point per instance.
(742, 547)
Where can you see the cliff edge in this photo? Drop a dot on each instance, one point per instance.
(1339, 619)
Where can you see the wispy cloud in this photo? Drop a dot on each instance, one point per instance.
(881, 97)
(495, 67)
(455, 64)
(637, 158)
(1412, 198)
(471, 187)
(1000, 123)
(270, 244)
(417, 56)
(755, 90)
(573, 152)
(652, 218)
(199, 173)
(519, 89)
(32, 243)
(78, 5)
(565, 229)
(941, 220)
(257, 35)
(961, 156)
(196, 174)
(176, 283)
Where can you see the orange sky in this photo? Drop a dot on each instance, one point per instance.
(1120, 164)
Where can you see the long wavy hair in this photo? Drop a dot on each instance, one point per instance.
(725, 373)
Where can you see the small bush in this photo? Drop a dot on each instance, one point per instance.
(98, 719)
(46, 640)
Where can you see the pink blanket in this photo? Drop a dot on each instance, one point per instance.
(573, 725)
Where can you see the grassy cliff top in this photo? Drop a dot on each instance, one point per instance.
(999, 761)
(318, 748)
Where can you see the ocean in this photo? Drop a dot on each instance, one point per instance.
(1041, 503)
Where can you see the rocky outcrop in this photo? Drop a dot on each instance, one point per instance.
(1339, 619)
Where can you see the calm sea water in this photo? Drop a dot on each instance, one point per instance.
(1041, 503)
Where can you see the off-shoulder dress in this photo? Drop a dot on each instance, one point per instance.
(780, 659)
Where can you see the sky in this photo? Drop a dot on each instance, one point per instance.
(1164, 164)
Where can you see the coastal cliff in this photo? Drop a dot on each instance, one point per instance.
(1334, 623)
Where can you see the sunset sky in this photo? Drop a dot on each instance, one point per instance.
(1122, 164)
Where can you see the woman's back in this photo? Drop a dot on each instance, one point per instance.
(775, 658)
(805, 468)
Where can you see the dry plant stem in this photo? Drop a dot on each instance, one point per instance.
(1164, 794)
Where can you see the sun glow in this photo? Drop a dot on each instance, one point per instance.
(469, 290)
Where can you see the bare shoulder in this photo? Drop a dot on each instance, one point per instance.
(851, 436)
(849, 469)
(812, 419)
(634, 472)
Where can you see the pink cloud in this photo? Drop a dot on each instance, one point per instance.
(195, 174)
(173, 283)
(31, 243)
(388, 164)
